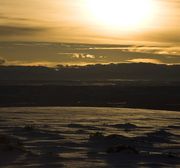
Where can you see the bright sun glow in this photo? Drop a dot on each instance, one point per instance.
(122, 14)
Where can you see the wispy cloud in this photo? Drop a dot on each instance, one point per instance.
(29, 53)
(83, 56)
(69, 21)
(18, 30)
(2, 61)
(145, 60)
(11, 18)
(33, 63)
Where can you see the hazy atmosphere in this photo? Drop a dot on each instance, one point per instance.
(52, 54)
(87, 21)
(145, 31)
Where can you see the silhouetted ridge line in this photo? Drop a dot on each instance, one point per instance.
(134, 71)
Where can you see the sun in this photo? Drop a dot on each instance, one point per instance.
(122, 14)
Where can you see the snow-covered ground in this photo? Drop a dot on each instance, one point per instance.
(88, 137)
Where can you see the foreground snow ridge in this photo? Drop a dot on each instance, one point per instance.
(88, 137)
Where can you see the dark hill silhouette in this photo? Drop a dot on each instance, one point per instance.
(133, 71)
(140, 86)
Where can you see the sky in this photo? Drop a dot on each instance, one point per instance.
(151, 28)
(80, 21)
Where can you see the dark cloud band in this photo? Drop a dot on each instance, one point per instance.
(17, 30)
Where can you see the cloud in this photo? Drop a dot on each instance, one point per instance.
(68, 53)
(83, 56)
(171, 35)
(11, 18)
(6, 30)
(2, 61)
(145, 60)
(32, 63)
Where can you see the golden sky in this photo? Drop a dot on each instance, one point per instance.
(92, 21)
(145, 31)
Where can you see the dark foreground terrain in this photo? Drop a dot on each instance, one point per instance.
(86, 137)
(164, 97)
(138, 85)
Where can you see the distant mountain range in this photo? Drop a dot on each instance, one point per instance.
(131, 71)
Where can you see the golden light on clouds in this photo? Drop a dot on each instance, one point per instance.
(124, 15)
(145, 60)
(90, 21)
